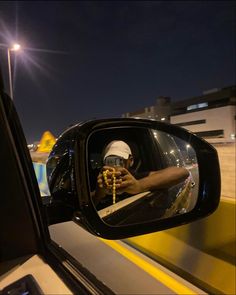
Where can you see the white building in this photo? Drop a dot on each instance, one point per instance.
(211, 116)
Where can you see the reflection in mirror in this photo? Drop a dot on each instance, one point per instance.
(138, 175)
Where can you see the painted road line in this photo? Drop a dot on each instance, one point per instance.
(156, 273)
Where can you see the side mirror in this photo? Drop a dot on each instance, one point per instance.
(125, 177)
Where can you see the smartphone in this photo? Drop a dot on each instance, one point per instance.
(114, 161)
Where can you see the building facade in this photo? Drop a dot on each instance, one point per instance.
(160, 111)
(211, 116)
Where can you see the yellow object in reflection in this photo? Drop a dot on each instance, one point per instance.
(46, 143)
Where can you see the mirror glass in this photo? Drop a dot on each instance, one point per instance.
(140, 174)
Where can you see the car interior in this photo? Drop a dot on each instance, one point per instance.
(146, 157)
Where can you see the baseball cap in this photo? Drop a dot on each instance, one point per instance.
(118, 148)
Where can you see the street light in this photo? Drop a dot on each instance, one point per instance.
(15, 47)
(187, 147)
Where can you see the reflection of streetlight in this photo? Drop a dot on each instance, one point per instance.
(187, 147)
(15, 47)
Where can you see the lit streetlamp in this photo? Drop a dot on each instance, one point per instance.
(187, 148)
(15, 47)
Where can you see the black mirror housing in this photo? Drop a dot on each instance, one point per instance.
(85, 213)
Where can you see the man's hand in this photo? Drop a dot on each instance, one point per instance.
(124, 182)
(104, 186)
(129, 183)
(110, 174)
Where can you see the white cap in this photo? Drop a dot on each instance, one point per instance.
(118, 148)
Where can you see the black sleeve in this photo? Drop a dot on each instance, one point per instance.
(140, 175)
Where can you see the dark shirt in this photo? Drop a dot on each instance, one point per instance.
(139, 175)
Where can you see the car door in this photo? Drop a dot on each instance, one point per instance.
(29, 247)
(25, 236)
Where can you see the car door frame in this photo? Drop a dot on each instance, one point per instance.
(38, 241)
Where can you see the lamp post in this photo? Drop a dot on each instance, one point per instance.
(15, 47)
(187, 148)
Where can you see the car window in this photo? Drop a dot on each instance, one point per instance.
(172, 148)
(143, 154)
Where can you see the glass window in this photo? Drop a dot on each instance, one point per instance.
(197, 106)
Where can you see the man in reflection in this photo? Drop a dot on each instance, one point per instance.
(117, 175)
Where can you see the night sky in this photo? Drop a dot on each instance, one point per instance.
(104, 58)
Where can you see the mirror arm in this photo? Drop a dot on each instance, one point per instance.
(56, 211)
